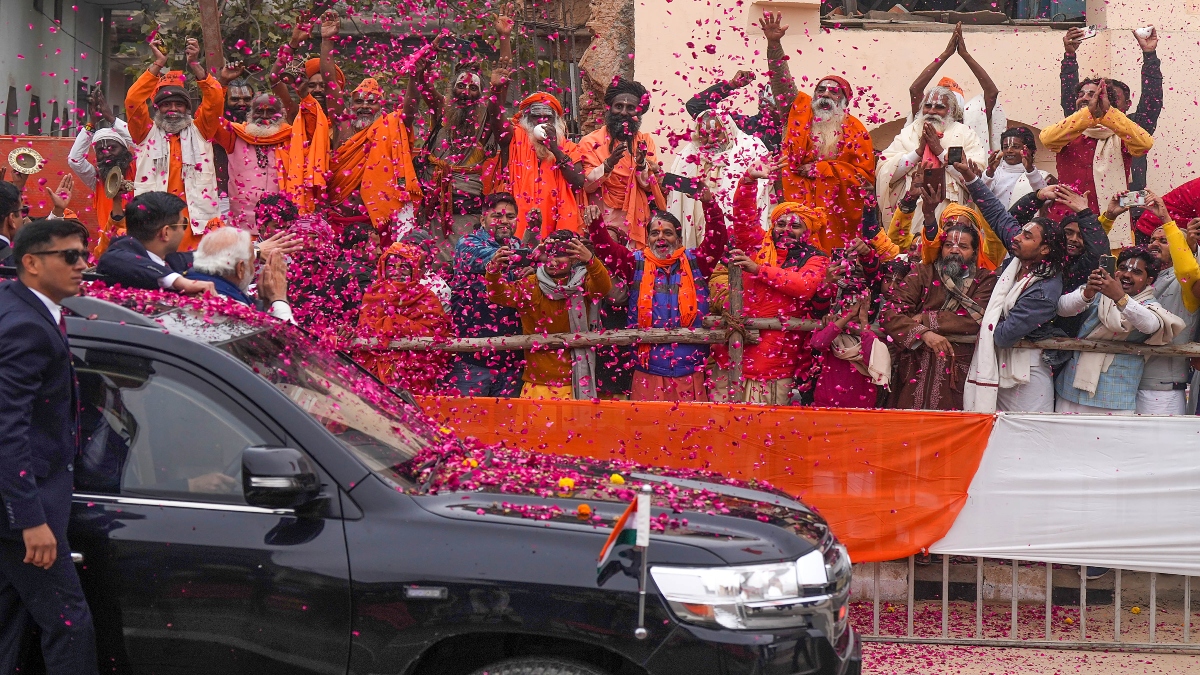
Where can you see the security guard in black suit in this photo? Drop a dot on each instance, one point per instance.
(39, 441)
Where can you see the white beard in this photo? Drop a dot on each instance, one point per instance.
(260, 130)
(360, 122)
(828, 117)
(172, 127)
(939, 123)
(543, 153)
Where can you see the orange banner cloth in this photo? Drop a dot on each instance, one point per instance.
(841, 180)
(890, 482)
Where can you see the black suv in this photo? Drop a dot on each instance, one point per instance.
(247, 502)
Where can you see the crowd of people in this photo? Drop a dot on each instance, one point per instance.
(919, 272)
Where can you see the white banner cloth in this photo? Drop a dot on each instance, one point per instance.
(1095, 490)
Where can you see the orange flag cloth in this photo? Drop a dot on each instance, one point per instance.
(840, 181)
(539, 183)
(620, 190)
(303, 181)
(689, 305)
(378, 162)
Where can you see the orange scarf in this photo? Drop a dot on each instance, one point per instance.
(539, 184)
(394, 309)
(307, 158)
(381, 169)
(620, 189)
(689, 305)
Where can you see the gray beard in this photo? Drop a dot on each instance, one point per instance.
(260, 130)
(828, 117)
(955, 267)
(361, 122)
(543, 153)
(172, 126)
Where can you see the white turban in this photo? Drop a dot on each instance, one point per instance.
(113, 135)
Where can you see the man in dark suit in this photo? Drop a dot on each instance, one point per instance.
(147, 257)
(39, 440)
(10, 220)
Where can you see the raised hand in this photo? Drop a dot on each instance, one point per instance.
(272, 278)
(772, 27)
(579, 252)
(962, 42)
(1149, 43)
(300, 32)
(191, 54)
(231, 71)
(156, 48)
(1071, 199)
(61, 196)
(1155, 205)
(738, 258)
(967, 170)
(952, 46)
(1115, 208)
(1072, 40)
(1027, 159)
(331, 24)
(615, 157)
(503, 21)
(741, 79)
(994, 162)
(499, 260)
(283, 242)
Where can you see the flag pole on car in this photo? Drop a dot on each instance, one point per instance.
(633, 527)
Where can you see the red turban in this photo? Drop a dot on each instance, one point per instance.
(842, 84)
(540, 97)
(313, 67)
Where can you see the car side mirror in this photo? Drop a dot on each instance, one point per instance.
(278, 478)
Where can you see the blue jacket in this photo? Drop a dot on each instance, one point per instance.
(127, 262)
(474, 314)
(39, 423)
(224, 287)
(670, 360)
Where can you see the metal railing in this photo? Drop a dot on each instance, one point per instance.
(1047, 639)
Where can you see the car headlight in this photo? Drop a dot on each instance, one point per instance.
(776, 595)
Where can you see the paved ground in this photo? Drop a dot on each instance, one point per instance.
(881, 659)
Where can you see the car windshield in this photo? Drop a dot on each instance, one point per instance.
(369, 419)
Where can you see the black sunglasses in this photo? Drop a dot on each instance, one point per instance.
(69, 255)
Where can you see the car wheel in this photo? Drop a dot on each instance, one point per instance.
(538, 666)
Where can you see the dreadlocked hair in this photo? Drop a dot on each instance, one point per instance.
(620, 86)
(1055, 238)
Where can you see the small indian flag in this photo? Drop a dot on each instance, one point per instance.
(629, 531)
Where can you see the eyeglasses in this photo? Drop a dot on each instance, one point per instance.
(69, 255)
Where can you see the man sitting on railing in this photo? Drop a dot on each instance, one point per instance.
(1123, 308)
(936, 299)
(1163, 389)
(559, 298)
(668, 289)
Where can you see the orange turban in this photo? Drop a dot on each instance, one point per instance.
(540, 97)
(313, 67)
(815, 218)
(991, 251)
(369, 87)
(951, 85)
(171, 85)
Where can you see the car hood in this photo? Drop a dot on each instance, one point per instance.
(741, 521)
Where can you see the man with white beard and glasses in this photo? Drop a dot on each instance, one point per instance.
(620, 164)
(927, 140)
(174, 149)
(537, 169)
(258, 152)
(829, 154)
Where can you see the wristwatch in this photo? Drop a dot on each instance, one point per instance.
(1123, 302)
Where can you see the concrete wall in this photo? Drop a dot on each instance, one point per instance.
(48, 58)
(880, 64)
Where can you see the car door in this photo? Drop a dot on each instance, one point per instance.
(182, 575)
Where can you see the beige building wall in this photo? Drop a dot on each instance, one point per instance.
(1023, 61)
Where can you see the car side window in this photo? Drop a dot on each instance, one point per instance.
(150, 429)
